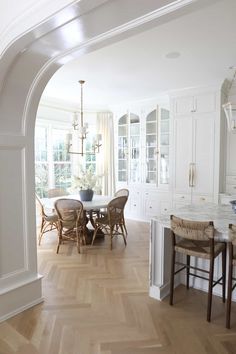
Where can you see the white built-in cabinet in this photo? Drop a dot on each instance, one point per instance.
(196, 148)
(142, 159)
(172, 158)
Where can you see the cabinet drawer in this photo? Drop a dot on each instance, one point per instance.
(231, 188)
(230, 179)
(201, 199)
(165, 207)
(152, 207)
(183, 198)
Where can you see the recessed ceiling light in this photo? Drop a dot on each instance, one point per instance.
(172, 55)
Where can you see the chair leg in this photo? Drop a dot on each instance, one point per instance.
(187, 271)
(59, 238)
(41, 231)
(123, 220)
(123, 233)
(172, 275)
(223, 273)
(94, 234)
(78, 233)
(210, 287)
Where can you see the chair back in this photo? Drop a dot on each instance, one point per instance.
(42, 212)
(192, 230)
(57, 192)
(232, 234)
(70, 213)
(115, 210)
(122, 192)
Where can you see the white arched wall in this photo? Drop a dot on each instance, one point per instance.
(25, 69)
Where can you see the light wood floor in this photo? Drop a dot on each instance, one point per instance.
(98, 303)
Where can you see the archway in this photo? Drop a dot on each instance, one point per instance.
(28, 65)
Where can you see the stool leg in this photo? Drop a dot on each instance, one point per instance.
(210, 287)
(172, 276)
(188, 271)
(223, 273)
(229, 294)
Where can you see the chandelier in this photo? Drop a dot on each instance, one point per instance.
(230, 107)
(82, 129)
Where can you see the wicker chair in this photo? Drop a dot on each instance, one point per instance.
(121, 192)
(57, 192)
(232, 263)
(112, 223)
(49, 222)
(71, 221)
(196, 239)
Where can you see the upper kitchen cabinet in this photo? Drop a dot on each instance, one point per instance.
(196, 153)
(143, 146)
(198, 103)
(128, 148)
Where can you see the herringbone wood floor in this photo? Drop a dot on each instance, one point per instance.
(98, 303)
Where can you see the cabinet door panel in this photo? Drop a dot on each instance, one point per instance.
(205, 103)
(182, 154)
(184, 105)
(203, 154)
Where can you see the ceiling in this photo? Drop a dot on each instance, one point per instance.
(201, 46)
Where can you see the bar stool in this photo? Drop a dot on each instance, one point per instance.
(232, 263)
(196, 238)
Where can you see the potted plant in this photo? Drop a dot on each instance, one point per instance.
(88, 183)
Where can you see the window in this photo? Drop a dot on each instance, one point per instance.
(41, 161)
(53, 164)
(61, 160)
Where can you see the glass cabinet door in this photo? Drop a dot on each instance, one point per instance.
(134, 147)
(151, 147)
(164, 146)
(123, 149)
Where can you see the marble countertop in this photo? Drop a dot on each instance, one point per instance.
(221, 215)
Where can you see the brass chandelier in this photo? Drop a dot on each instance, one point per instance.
(78, 125)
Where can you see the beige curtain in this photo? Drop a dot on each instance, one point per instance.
(105, 158)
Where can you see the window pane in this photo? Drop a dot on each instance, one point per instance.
(59, 145)
(41, 144)
(62, 175)
(41, 179)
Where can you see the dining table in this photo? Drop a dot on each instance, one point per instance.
(90, 207)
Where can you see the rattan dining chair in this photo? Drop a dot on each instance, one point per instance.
(112, 223)
(49, 221)
(231, 278)
(71, 222)
(196, 238)
(121, 192)
(57, 192)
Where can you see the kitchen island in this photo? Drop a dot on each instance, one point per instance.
(160, 246)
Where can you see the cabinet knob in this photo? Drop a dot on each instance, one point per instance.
(202, 198)
(150, 207)
(182, 197)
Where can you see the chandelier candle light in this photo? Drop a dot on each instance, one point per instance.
(83, 131)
